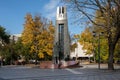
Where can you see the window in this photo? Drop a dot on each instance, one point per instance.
(62, 9)
(61, 34)
(59, 10)
(61, 40)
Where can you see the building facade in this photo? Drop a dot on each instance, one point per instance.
(80, 53)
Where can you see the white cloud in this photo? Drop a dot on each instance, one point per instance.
(50, 8)
(51, 5)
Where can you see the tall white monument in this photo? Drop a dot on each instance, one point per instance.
(62, 38)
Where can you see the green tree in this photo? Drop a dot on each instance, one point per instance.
(4, 41)
(21, 50)
(4, 36)
(117, 52)
(110, 11)
(90, 44)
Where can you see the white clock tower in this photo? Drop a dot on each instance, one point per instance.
(62, 38)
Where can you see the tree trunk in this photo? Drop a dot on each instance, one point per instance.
(111, 55)
(112, 43)
(110, 58)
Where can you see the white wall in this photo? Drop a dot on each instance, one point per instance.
(16, 36)
(79, 52)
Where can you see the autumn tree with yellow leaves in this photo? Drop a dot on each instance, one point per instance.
(38, 35)
(110, 12)
(86, 40)
(46, 42)
(90, 44)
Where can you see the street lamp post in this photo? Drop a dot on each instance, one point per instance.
(12, 49)
(1, 61)
(36, 48)
(99, 34)
(99, 51)
(1, 58)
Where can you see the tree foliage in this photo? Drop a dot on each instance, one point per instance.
(4, 36)
(46, 42)
(73, 46)
(86, 40)
(90, 44)
(38, 34)
(4, 41)
(110, 11)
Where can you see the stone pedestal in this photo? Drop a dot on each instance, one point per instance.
(50, 65)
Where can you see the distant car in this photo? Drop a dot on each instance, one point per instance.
(21, 62)
(118, 62)
(31, 61)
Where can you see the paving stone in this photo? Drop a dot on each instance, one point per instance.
(23, 73)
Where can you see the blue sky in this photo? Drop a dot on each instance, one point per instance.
(12, 13)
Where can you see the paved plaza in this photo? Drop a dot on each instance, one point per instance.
(87, 72)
